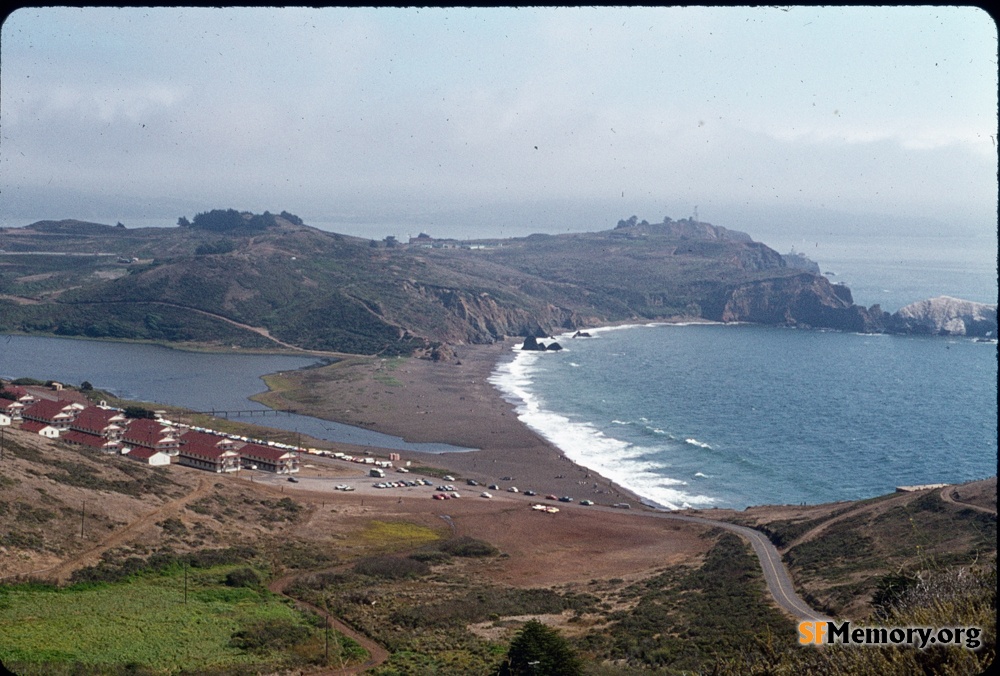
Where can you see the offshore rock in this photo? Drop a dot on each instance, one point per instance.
(531, 343)
(946, 316)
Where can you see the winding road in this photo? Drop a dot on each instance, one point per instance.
(779, 584)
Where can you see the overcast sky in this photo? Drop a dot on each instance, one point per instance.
(327, 112)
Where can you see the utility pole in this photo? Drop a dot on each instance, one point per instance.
(83, 516)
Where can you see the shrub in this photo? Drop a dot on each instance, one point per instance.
(391, 567)
(468, 546)
(242, 577)
(268, 635)
(431, 556)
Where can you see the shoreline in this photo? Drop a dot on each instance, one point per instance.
(451, 402)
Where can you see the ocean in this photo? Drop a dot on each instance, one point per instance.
(731, 416)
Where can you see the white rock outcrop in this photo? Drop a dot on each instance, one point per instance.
(945, 315)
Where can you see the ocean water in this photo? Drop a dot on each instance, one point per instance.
(736, 415)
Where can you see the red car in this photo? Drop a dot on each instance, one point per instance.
(551, 497)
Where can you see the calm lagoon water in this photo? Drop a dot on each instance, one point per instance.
(196, 380)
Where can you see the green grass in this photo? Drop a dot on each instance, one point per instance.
(398, 534)
(145, 621)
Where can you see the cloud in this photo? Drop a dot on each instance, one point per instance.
(285, 106)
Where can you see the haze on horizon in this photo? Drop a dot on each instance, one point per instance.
(496, 122)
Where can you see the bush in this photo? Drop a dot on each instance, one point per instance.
(391, 567)
(431, 557)
(242, 577)
(468, 546)
(268, 635)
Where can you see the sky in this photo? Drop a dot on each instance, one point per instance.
(477, 119)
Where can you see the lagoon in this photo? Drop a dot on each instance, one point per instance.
(200, 381)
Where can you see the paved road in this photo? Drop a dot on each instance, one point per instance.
(775, 574)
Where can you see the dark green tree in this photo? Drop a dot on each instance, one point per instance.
(538, 650)
(135, 412)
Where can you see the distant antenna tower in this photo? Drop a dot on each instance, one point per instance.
(696, 214)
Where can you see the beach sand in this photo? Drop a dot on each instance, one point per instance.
(447, 402)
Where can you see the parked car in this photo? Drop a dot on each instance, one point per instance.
(448, 477)
(484, 494)
(494, 487)
(512, 489)
(586, 502)
(293, 480)
(531, 493)
(551, 497)
(506, 478)
(472, 482)
(565, 498)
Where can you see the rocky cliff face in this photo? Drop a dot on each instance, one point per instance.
(480, 318)
(946, 316)
(804, 300)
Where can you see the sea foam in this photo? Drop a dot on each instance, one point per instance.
(626, 464)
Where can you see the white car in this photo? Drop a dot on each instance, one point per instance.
(484, 494)
(512, 489)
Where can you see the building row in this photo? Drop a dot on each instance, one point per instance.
(151, 441)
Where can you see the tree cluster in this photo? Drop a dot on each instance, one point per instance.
(228, 220)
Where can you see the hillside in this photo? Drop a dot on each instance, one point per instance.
(232, 279)
(634, 593)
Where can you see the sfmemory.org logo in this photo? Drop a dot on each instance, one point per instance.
(830, 632)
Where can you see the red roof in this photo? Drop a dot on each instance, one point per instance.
(94, 418)
(142, 453)
(206, 451)
(46, 410)
(264, 452)
(144, 431)
(84, 439)
(205, 439)
(34, 426)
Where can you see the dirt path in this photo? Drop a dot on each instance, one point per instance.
(376, 653)
(948, 495)
(260, 331)
(90, 557)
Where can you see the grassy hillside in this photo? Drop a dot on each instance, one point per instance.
(325, 291)
(435, 602)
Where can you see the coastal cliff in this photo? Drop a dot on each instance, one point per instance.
(233, 278)
(804, 300)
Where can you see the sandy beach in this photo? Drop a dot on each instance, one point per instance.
(450, 402)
